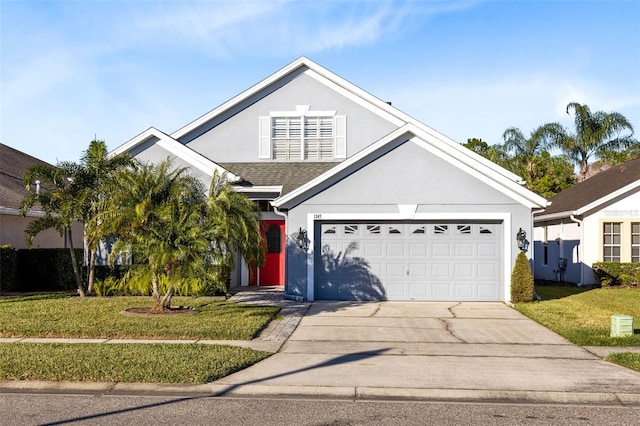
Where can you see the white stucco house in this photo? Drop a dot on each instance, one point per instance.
(359, 200)
(597, 220)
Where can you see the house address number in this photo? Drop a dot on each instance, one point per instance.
(317, 216)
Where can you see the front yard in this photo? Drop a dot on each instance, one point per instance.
(73, 317)
(583, 316)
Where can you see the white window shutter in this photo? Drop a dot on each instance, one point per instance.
(264, 147)
(341, 136)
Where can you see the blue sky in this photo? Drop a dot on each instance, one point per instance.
(71, 70)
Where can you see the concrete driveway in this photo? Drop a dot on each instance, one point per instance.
(432, 350)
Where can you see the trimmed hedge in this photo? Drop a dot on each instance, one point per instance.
(45, 270)
(617, 273)
(522, 284)
(8, 262)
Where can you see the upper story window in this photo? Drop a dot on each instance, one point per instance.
(302, 134)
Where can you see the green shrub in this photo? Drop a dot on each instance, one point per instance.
(522, 286)
(617, 273)
(7, 267)
(45, 270)
(119, 282)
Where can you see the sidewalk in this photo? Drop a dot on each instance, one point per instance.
(270, 339)
(433, 351)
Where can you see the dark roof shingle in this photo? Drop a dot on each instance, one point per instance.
(290, 175)
(595, 188)
(13, 164)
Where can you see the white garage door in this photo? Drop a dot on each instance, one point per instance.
(409, 261)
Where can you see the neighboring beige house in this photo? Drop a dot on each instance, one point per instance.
(13, 164)
(597, 220)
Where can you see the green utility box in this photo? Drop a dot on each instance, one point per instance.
(621, 325)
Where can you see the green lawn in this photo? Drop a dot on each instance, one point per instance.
(74, 317)
(150, 363)
(101, 317)
(583, 316)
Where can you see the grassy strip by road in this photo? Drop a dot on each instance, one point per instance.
(584, 316)
(101, 317)
(626, 359)
(151, 363)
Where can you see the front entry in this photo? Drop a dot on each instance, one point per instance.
(272, 273)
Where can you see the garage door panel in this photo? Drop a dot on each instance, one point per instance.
(441, 249)
(464, 290)
(441, 291)
(463, 270)
(488, 249)
(395, 270)
(373, 249)
(396, 291)
(441, 270)
(487, 270)
(421, 261)
(419, 291)
(463, 249)
(487, 292)
(417, 270)
(417, 249)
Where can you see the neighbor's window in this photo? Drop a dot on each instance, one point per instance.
(611, 242)
(303, 135)
(635, 241)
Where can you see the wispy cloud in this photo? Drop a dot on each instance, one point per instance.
(281, 28)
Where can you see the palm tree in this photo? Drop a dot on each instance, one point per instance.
(233, 223)
(95, 167)
(525, 153)
(61, 199)
(161, 215)
(597, 135)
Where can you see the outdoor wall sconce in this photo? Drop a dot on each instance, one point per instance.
(521, 238)
(302, 239)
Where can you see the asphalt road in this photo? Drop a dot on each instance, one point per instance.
(55, 409)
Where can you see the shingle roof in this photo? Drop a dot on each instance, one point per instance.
(595, 188)
(13, 164)
(289, 175)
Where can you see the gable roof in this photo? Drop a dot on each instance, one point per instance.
(410, 132)
(181, 151)
(13, 164)
(342, 86)
(595, 192)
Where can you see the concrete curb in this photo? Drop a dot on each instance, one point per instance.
(333, 392)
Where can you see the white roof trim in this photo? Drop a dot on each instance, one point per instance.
(465, 162)
(352, 92)
(241, 97)
(392, 114)
(174, 147)
(554, 216)
(18, 212)
(251, 189)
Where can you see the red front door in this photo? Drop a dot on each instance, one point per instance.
(273, 271)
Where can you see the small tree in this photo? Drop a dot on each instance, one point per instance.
(522, 288)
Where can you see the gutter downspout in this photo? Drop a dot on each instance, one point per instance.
(286, 263)
(580, 253)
